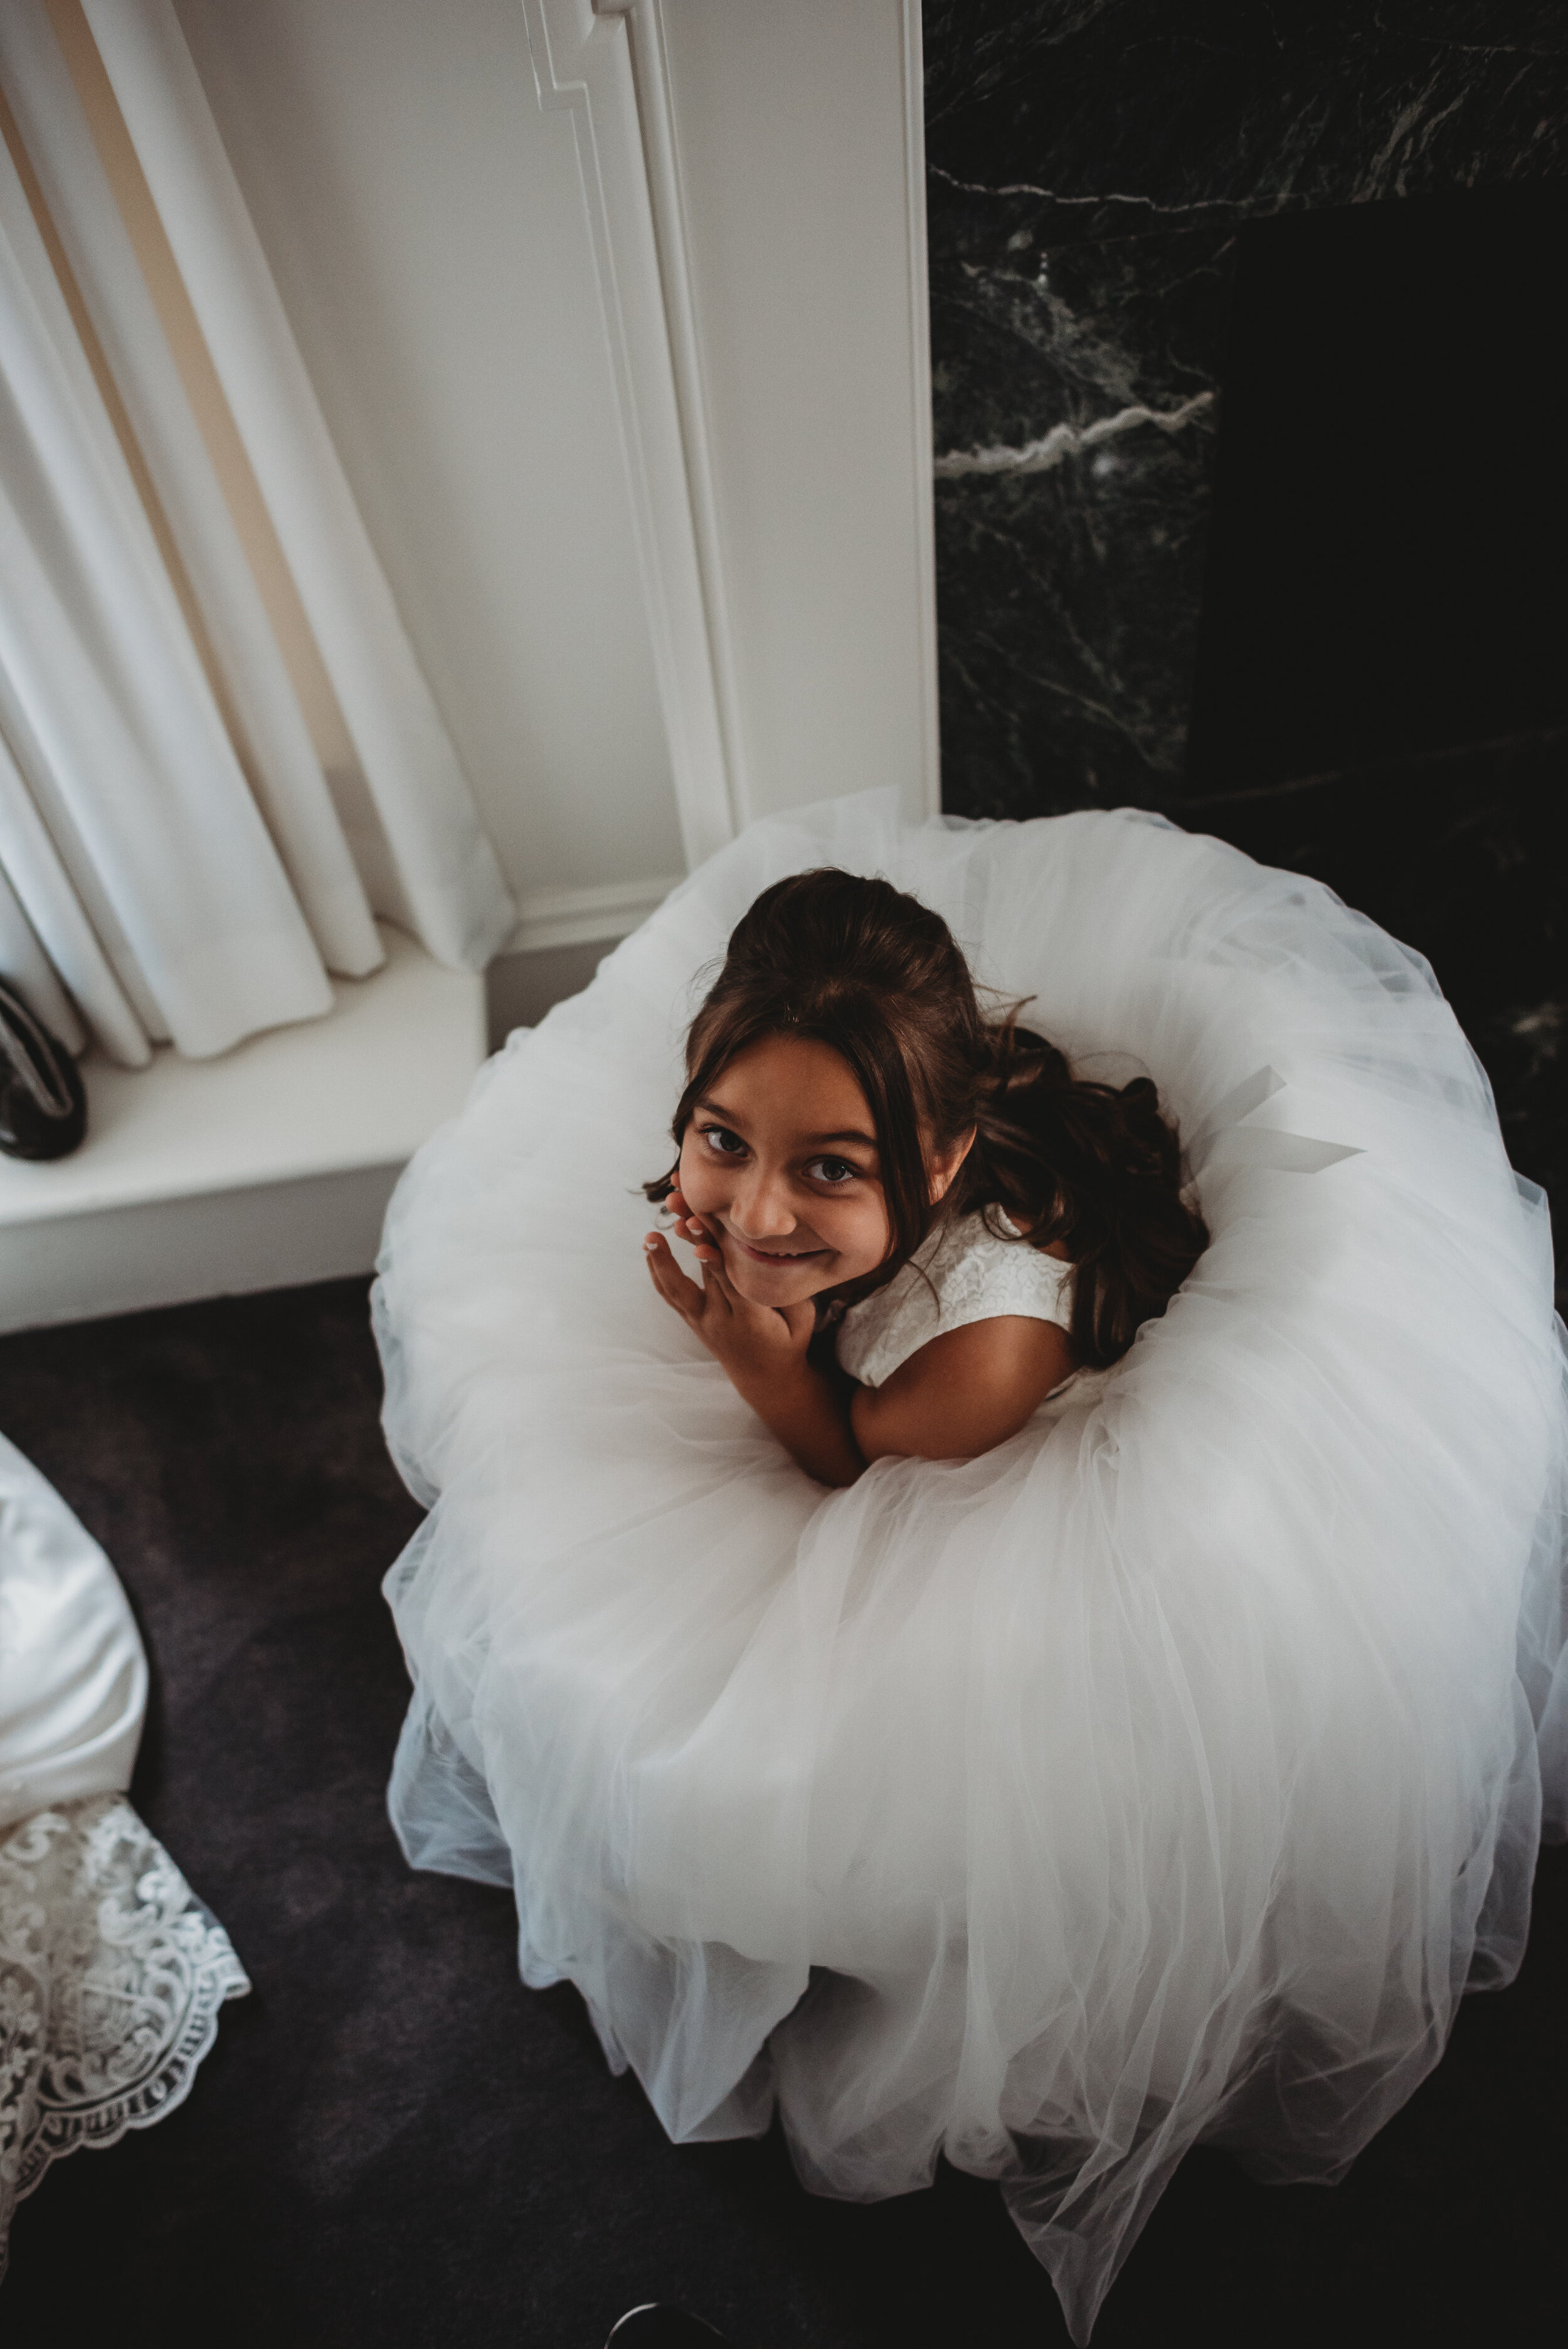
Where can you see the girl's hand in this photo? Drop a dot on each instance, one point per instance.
(763, 1350)
(758, 1344)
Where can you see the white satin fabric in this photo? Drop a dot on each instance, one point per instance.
(1163, 1776)
(73, 1677)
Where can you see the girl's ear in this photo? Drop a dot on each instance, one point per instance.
(942, 1167)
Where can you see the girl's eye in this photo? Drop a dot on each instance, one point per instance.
(720, 1139)
(832, 1171)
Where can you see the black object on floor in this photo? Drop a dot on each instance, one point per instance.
(394, 2143)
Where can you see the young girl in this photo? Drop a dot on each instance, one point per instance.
(850, 1129)
(1099, 1691)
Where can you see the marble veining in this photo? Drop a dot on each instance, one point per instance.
(1252, 103)
(1065, 441)
(1075, 391)
(1090, 162)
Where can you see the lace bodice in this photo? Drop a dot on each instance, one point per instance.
(963, 1273)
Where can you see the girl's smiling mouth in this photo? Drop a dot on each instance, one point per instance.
(773, 1255)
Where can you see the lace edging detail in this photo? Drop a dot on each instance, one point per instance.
(112, 1978)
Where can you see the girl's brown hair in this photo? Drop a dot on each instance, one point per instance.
(880, 977)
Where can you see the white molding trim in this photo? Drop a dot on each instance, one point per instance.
(582, 64)
(575, 917)
(920, 391)
(604, 61)
(661, 156)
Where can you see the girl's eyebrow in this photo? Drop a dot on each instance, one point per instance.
(849, 1133)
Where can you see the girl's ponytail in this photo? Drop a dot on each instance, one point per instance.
(1095, 1167)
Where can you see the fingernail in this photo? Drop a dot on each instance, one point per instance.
(649, 1245)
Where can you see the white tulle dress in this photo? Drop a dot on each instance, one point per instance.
(1163, 1776)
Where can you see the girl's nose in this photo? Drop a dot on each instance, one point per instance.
(761, 1210)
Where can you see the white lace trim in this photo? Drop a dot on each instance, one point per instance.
(964, 1274)
(112, 1978)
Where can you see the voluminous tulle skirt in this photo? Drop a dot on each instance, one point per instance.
(1164, 1775)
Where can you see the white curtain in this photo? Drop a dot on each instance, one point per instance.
(167, 878)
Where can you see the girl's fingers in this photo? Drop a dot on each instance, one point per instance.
(714, 1277)
(669, 1279)
(687, 1225)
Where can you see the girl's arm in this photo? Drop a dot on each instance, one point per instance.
(961, 1394)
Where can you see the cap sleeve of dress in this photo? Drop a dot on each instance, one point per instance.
(967, 1274)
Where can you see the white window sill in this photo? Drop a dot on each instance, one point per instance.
(267, 1166)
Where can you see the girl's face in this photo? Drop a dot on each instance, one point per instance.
(780, 1163)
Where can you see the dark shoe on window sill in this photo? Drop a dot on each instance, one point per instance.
(43, 1102)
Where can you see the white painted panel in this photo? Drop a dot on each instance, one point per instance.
(424, 218)
(172, 1251)
(797, 138)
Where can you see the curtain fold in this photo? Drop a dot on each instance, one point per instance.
(291, 787)
(445, 863)
(173, 862)
(111, 716)
(23, 961)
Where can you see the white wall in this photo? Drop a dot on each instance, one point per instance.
(793, 124)
(423, 219)
(427, 223)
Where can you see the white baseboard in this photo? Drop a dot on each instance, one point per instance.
(173, 1251)
(573, 918)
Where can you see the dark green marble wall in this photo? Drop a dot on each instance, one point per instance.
(1096, 170)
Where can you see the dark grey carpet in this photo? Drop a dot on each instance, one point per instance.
(394, 2143)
